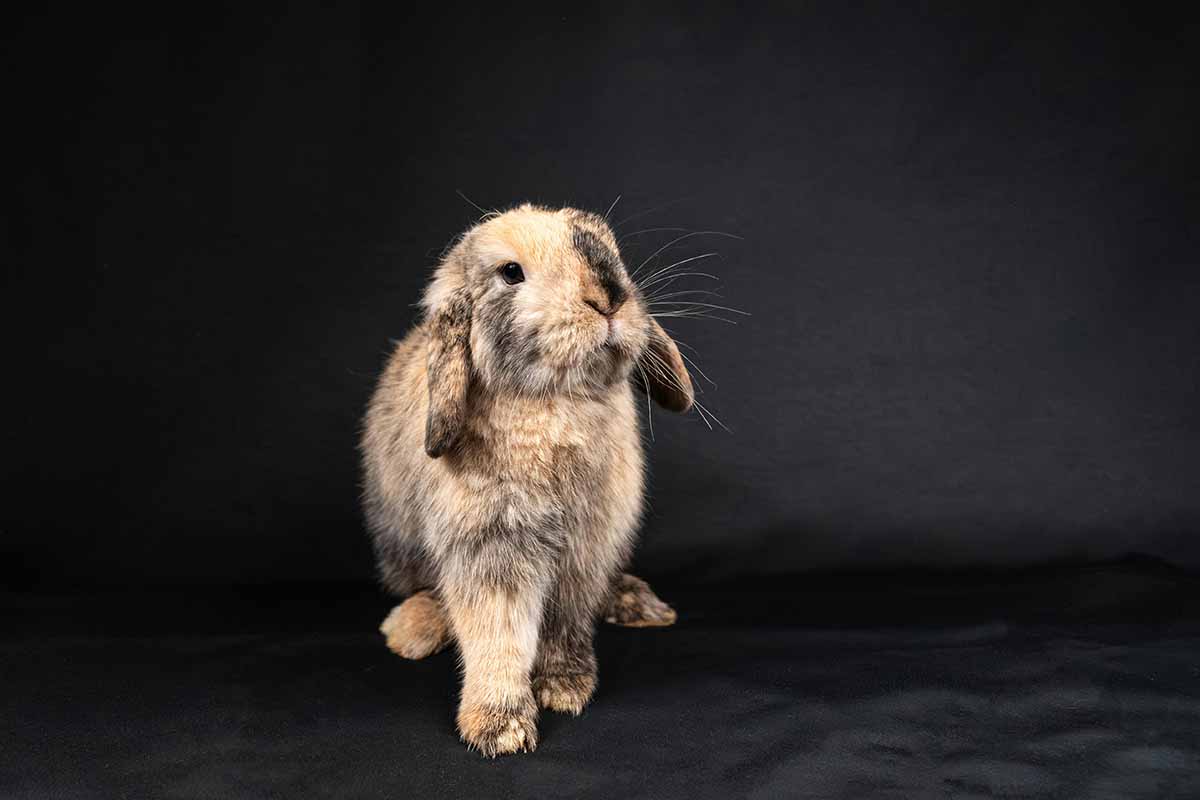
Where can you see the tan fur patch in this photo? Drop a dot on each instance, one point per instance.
(417, 627)
(497, 730)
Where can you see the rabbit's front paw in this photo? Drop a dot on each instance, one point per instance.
(565, 692)
(496, 730)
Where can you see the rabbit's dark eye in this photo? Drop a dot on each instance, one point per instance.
(512, 273)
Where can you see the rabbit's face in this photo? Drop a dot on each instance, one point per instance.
(553, 306)
(538, 301)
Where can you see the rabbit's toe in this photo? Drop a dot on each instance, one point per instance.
(496, 730)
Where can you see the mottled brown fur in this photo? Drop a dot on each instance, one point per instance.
(503, 463)
(635, 605)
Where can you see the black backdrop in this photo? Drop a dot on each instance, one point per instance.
(968, 248)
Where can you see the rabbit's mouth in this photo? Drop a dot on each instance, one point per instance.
(620, 343)
(616, 332)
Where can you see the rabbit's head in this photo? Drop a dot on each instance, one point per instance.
(538, 301)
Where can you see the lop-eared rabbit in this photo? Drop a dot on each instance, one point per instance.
(503, 465)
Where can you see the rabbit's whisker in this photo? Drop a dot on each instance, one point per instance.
(699, 304)
(649, 279)
(667, 204)
(631, 234)
(668, 376)
(691, 315)
(696, 367)
(614, 205)
(484, 212)
(654, 298)
(678, 239)
(675, 276)
(649, 412)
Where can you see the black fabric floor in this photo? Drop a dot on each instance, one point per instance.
(1070, 682)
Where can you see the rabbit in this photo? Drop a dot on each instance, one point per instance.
(503, 465)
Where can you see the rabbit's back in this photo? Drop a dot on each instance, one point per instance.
(392, 472)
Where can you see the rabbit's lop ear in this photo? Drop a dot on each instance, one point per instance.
(448, 369)
(661, 367)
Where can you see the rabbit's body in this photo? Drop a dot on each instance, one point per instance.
(543, 466)
(512, 535)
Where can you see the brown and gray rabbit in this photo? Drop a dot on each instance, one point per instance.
(503, 465)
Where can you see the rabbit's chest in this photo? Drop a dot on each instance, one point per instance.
(546, 450)
(556, 449)
(578, 468)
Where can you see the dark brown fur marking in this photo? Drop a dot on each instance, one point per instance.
(604, 263)
(449, 373)
(661, 364)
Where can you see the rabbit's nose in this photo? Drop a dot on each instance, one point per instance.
(607, 309)
(599, 308)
